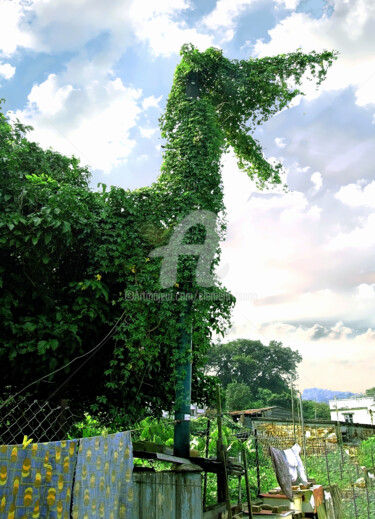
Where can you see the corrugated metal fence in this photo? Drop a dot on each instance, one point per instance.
(167, 495)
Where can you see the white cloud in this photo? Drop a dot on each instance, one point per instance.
(11, 35)
(225, 15)
(350, 30)
(147, 133)
(280, 142)
(317, 180)
(84, 120)
(67, 25)
(361, 237)
(287, 4)
(365, 292)
(7, 70)
(155, 23)
(151, 102)
(356, 196)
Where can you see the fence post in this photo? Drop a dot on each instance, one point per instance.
(247, 483)
(303, 433)
(327, 464)
(257, 459)
(368, 500)
(206, 474)
(222, 456)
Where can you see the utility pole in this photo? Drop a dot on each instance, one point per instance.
(293, 414)
(303, 431)
(183, 393)
(184, 370)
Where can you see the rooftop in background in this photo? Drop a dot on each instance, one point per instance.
(251, 411)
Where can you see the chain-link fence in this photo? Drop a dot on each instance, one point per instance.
(40, 420)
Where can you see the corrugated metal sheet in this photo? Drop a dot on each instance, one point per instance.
(251, 411)
(167, 495)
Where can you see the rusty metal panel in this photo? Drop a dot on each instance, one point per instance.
(167, 495)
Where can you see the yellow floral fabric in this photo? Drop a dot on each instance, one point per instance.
(103, 480)
(36, 481)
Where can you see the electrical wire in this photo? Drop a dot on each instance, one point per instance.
(94, 350)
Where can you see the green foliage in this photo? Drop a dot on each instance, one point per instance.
(370, 391)
(245, 94)
(255, 365)
(315, 410)
(238, 396)
(88, 427)
(74, 262)
(366, 453)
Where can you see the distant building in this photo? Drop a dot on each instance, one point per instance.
(353, 410)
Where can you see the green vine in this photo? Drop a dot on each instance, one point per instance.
(72, 261)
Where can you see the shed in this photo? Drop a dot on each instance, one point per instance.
(246, 416)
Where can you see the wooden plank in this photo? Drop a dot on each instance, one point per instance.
(145, 505)
(146, 446)
(172, 459)
(166, 495)
(189, 496)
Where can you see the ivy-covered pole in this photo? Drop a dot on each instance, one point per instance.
(199, 124)
(183, 394)
(184, 369)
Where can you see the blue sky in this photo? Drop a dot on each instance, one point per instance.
(92, 78)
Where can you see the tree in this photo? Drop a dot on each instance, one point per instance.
(238, 396)
(370, 391)
(257, 366)
(75, 264)
(315, 410)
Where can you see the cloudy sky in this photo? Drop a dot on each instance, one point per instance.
(92, 78)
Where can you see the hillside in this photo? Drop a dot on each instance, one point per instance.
(324, 395)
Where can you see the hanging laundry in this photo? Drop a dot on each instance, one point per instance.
(292, 464)
(282, 471)
(36, 480)
(296, 468)
(318, 494)
(103, 480)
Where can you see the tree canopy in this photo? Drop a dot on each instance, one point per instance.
(75, 265)
(265, 371)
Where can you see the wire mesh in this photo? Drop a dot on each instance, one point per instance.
(40, 420)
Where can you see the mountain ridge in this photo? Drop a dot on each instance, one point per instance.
(324, 395)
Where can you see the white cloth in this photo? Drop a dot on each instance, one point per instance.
(292, 463)
(296, 468)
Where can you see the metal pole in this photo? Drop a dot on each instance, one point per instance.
(221, 455)
(337, 413)
(293, 414)
(205, 474)
(183, 393)
(327, 465)
(257, 459)
(184, 369)
(248, 495)
(368, 501)
(303, 433)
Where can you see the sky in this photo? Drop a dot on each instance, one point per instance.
(92, 78)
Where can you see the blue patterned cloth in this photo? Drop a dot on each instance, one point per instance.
(36, 481)
(103, 480)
